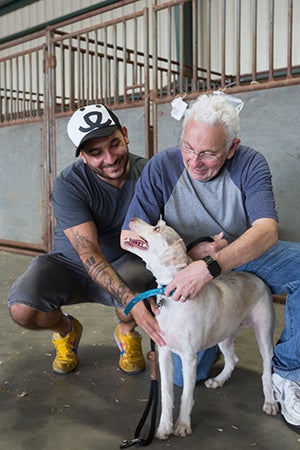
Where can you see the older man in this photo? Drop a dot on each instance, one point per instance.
(213, 185)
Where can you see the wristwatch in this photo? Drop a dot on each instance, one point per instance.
(212, 266)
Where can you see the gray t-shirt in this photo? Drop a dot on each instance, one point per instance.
(80, 196)
(230, 202)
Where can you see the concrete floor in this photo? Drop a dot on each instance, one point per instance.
(98, 406)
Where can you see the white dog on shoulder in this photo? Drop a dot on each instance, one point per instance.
(224, 305)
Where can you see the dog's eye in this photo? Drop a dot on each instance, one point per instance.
(157, 228)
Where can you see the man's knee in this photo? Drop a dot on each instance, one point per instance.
(23, 315)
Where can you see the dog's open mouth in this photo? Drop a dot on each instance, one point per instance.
(139, 243)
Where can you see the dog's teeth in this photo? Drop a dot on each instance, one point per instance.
(135, 243)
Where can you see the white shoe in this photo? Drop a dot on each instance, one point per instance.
(287, 394)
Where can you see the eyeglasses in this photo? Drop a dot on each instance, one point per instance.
(205, 155)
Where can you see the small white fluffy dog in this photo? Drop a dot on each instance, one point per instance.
(224, 305)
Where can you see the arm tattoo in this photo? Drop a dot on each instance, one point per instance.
(80, 242)
(100, 271)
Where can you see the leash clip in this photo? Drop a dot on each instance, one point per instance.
(130, 442)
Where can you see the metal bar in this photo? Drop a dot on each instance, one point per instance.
(290, 39)
(125, 62)
(49, 138)
(11, 108)
(271, 39)
(62, 77)
(238, 42)
(147, 124)
(208, 21)
(181, 50)
(169, 52)
(115, 70)
(86, 71)
(223, 44)
(78, 72)
(105, 71)
(194, 45)
(71, 76)
(155, 79)
(254, 38)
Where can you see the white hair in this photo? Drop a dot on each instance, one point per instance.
(215, 110)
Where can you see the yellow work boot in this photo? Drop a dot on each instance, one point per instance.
(66, 349)
(131, 356)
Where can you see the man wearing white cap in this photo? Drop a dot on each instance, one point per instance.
(90, 199)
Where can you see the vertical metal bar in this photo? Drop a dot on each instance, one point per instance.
(62, 75)
(169, 52)
(71, 75)
(5, 91)
(135, 65)
(238, 42)
(37, 65)
(79, 102)
(181, 51)
(223, 44)
(115, 69)
(254, 38)
(96, 67)
(105, 71)
(86, 78)
(148, 136)
(126, 60)
(271, 40)
(208, 21)
(155, 79)
(30, 86)
(194, 44)
(11, 92)
(24, 86)
(1, 96)
(290, 39)
(49, 148)
(17, 89)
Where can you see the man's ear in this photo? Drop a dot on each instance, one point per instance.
(125, 134)
(234, 146)
(82, 156)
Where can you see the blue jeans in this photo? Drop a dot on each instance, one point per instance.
(279, 267)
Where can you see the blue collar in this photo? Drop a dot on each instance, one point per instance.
(142, 296)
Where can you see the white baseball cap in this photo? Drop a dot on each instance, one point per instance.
(90, 122)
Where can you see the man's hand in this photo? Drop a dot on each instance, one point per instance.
(145, 320)
(199, 251)
(189, 281)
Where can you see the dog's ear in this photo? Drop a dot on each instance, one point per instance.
(161, 223)
(175, 255)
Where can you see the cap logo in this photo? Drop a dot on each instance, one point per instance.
(91, 124)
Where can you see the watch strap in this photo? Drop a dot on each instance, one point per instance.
(212, 266)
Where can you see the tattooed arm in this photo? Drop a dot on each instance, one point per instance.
(84, 239)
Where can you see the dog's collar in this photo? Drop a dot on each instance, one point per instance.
(157, 291)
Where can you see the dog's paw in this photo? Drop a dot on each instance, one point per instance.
(164, 431)
(214, 383)
(182, 429)
(271, 408)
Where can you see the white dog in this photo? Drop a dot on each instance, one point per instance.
(224, 305)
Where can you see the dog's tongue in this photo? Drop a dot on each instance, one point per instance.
(139, 243)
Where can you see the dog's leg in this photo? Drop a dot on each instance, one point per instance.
(166, 368)
(189, 366)
(230, 360)
(264, 334)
